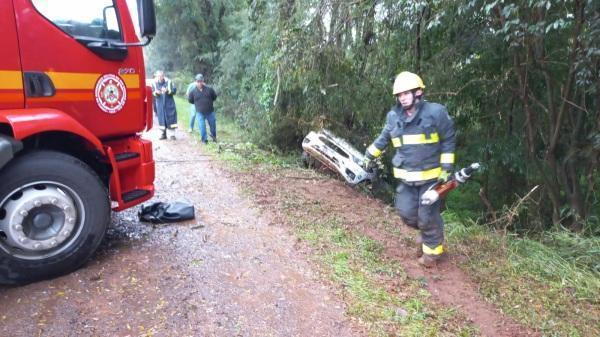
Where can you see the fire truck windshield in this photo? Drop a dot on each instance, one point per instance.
(90, 19)
(133, 11)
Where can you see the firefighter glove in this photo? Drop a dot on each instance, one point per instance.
(444, 176)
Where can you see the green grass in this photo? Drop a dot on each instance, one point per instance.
(550, 283)
(532, 282)
(355, 263)
(234, 147)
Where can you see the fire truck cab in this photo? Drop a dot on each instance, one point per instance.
(73, 102)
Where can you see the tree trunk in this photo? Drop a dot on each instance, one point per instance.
(418, 52)
(551, 187)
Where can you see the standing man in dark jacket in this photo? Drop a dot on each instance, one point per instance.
(203, 96)
(163, 90)
(423, 135)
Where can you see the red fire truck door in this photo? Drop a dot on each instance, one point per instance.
(72, 62)
(11, 81)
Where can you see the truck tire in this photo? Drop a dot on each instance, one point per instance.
(54, 211)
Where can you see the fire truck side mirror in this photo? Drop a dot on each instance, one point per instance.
(147, 17)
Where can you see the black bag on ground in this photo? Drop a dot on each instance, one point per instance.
(164, 212)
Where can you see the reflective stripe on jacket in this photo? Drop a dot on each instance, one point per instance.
(167, 83)
(424, 142)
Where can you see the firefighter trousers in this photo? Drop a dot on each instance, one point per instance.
(426, 218)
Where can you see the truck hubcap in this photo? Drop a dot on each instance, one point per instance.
(38, 220)
(42, 221)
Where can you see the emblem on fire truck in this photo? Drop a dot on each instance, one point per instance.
(110, 93)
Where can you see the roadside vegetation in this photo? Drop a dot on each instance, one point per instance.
(548, 282)
(520, 79)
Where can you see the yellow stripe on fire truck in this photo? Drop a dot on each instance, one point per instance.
(63, 80)
(11, 79)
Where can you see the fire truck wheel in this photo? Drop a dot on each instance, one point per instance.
(54, 211)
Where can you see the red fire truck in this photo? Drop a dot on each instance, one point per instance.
(73, 102)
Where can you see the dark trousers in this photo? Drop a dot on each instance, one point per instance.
(426, 218)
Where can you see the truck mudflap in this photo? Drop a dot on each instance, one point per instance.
(8, 147)
(131, 181)
(338, 155)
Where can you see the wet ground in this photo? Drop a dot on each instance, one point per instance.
(233, 271)
(236, 270)
(449, 286)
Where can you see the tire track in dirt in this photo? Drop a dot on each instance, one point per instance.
(449, 286)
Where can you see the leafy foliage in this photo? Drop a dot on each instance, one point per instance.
(520, 79)
(188, 35)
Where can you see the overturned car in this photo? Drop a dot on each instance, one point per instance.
(336, 154)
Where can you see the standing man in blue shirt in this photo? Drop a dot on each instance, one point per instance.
(203, 96)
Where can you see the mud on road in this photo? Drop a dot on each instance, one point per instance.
(229, 272)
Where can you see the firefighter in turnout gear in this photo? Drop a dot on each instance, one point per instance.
(422, 134)
(163, 90)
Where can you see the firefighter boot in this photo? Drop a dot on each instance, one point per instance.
(429, 261)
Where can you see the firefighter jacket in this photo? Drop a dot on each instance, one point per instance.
(164, 103)
(424, 142)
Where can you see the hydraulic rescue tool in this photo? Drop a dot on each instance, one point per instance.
(437, 191)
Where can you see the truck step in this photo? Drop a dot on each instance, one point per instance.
(126, 155)
(134, 194)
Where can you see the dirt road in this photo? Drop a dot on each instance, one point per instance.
(228, 273)
(237, 270)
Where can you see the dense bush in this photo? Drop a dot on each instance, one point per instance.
(520, 79)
